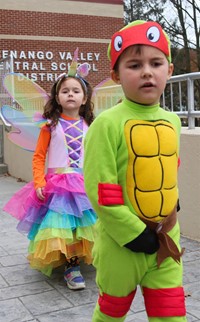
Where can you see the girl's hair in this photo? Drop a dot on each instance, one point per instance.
(53, 110)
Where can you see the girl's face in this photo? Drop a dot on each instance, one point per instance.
(71, 96)
(143, 72)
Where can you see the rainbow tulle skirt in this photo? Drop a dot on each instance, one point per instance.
(61, 226)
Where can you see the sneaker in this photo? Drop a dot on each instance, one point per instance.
(73, 278)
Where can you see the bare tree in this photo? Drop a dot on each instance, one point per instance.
(143, 10)
(180, 19)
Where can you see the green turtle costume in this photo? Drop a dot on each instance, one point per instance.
(130, 171)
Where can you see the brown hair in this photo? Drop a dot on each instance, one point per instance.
(53, 110)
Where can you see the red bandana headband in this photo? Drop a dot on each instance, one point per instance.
(138, 32)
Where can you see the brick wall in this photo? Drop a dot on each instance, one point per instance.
(29, 33)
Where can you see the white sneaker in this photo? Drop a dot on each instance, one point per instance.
(74, 279)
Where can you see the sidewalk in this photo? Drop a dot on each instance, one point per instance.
(27, 295)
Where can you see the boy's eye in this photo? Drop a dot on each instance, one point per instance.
(135, 65)
(156, 63)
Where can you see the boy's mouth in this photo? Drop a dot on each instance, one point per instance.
(148, 85)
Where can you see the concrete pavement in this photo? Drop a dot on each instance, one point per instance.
(27, 295)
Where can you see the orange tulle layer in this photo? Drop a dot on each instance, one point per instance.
(52, 253)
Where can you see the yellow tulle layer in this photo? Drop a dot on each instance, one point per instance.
(52, 253)
(47, 253)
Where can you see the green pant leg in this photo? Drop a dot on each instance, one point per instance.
(170, 319)
(98, 316)
(118, 272)
(168, 275)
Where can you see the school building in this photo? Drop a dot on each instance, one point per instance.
(42, 36)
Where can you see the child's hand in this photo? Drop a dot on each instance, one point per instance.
(40, 194)
(147, 242)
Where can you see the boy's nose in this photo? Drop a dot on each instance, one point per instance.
(146, 72)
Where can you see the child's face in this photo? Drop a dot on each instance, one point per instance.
(143, 72)
(71, 96)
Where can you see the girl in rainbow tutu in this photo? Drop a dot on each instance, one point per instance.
(54, 210)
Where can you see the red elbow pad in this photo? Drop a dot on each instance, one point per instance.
(110, 194)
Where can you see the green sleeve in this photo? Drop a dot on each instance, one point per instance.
(100, 166)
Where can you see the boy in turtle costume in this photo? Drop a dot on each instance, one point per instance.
(130, 169)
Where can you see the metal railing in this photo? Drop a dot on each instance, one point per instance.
(186, 105)
(179, 97)
(6, 66)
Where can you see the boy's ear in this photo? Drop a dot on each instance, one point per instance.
(115, 76)
(170, 70)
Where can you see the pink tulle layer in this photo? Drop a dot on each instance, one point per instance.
(64, 193)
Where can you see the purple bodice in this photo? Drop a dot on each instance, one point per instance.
(73, 130)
